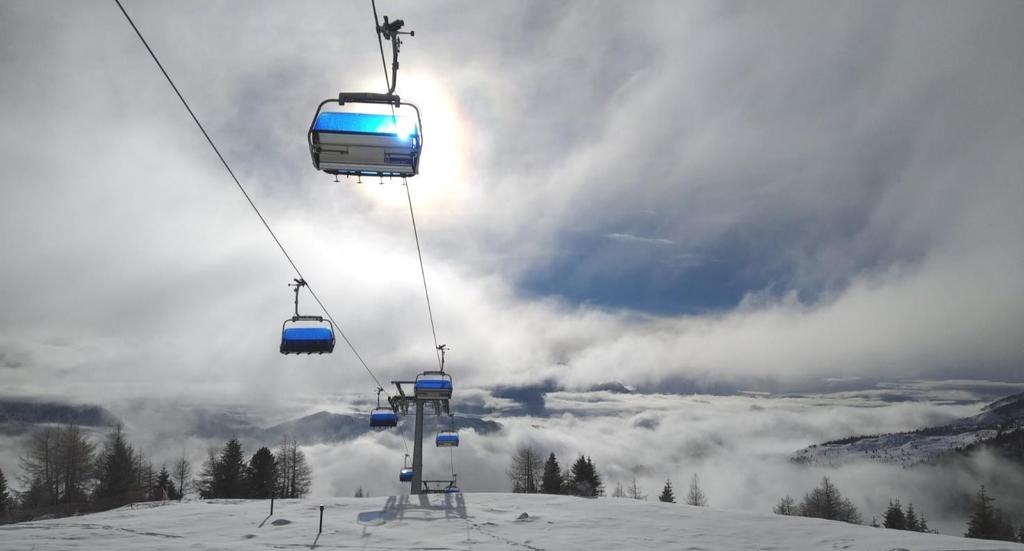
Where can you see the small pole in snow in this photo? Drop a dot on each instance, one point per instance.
(271, 503)
(321, 518)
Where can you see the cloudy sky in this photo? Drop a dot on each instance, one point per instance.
(652, 193)
(699, 196)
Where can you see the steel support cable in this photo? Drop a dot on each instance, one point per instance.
(251, 203)
(423, 273)
(380, 42)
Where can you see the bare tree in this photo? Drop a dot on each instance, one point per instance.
(635, 492)
(75, 459)
(618, 491)
(39, 468)
(294, 474)
(183, 474)
(525, 471)
(57, 467)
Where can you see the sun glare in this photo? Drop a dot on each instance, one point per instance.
(439, 184)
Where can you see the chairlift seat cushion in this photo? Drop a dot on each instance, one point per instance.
(307, 340)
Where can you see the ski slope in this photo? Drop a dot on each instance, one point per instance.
(469, 521)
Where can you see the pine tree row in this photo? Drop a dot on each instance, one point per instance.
(229, 475)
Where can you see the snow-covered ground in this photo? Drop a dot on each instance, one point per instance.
(904, 448)
(467, 521)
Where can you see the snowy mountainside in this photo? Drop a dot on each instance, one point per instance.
(1001, 417)
(465, 521)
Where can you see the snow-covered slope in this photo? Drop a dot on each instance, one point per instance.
(469, 521)
(909, 448)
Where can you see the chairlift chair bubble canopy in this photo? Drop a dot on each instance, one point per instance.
(365, 144)
(433, 384)
(307, 340)
(447, 439)
(405, 475)
(383, 418)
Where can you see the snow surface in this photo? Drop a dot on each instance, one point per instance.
(905, 448)
(466, 521)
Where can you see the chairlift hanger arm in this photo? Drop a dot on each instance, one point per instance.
(391, 31)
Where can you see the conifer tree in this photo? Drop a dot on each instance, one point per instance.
(922, 523)
(913, 524)
(551, 481)
(229, 471)
(584, 480)
(595, 479)
(205, 483)
(828, 503)
(982, 522)
(1020, 533)
(164, 483)
(696, 495)
(261, 474)
(118, 474)
(894, 517)
(359, 492)
(786, 506)
(5, 497)
(667, 496)
(987, 521)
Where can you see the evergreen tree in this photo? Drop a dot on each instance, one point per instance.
(551, 481)
(786, 506)
(894, 517)
(667, 495)
(117, 468)
(359, 492)
(205, 483)
(5, 497)
(595, 479)
(696, 495)
(261, 474)
(913, 524)
(525, 471)
(584, 480)
(828, 503)
(1020, 533)
(229, 471)
(164, 483)
(987, 521)
(922, 523)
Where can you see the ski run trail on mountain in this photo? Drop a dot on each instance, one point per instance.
(461, 521)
